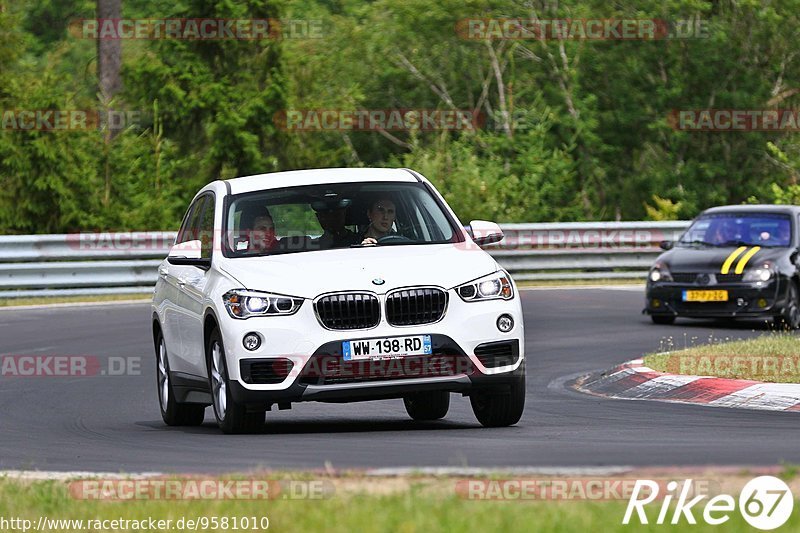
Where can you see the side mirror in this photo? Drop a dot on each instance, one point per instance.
(188, 254)
(666, 245)
(484, 232)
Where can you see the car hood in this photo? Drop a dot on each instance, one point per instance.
(712, 259)
(309, 274)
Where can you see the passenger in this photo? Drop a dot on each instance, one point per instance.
(332, 219)
(258, 229)
(723, 232)
(381, 214)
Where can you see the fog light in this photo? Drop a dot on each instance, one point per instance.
(655, 302)
(762, 302)
(505, 323)
(251, 341)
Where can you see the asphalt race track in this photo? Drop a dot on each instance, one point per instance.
(112, 423)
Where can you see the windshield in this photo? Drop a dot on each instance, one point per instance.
(739, 229)
(339, 215)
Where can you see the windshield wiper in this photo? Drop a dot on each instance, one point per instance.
(737, 243)
(701, 243)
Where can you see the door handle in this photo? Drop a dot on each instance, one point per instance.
(182, 281)
(163, 272)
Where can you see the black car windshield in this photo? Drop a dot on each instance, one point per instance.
(337, 215)
(739, 229)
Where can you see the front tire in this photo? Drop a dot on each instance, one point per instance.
(427, 405)
(232, 417)
(663, 319)
(790, 319)
(499, 408)
(172, 412)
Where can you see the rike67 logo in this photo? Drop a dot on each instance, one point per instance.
(765, 503)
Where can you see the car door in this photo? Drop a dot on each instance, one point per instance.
(167, 289)
(181, 360)
(191, 286)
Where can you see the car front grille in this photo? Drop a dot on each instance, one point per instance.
(410, 307)
(729, 278)
(349, 311)
(691, 277)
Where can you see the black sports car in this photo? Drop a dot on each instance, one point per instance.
(735, 262)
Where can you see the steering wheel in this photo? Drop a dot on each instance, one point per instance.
(393, 239)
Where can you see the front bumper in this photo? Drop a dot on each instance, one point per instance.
(745, 300)
(378, 390)
(303, 347)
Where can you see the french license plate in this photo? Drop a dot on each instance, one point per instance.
(705, 296)
(387, 347)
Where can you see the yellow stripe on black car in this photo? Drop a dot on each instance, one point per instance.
(745, 258)
(726, 266)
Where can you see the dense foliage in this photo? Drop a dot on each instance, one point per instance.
(575, 130)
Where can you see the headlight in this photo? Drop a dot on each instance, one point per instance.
(659, 272)
(241, 303)
(495, 286)
(763, 272)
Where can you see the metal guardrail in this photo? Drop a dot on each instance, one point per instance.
(126, 263)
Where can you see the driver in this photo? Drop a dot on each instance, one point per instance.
(782, 235)
(381, 215)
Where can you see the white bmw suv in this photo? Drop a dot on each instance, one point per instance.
(333, 285)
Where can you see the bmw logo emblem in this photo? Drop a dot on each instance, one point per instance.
(378, 281)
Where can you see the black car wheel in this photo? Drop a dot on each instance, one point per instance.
(790, 319)
(663, 319)
(232, 417)
(498, 408)
(172, 412)
(427, 405)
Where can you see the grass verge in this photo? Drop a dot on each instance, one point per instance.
(773, 357)
(410, 510)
